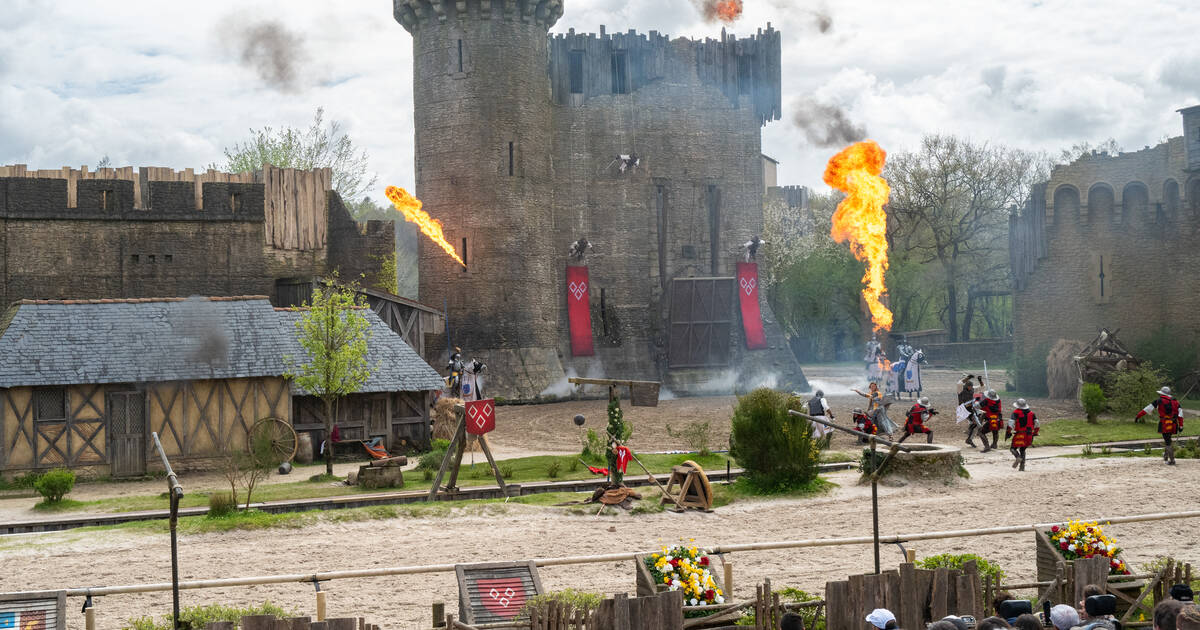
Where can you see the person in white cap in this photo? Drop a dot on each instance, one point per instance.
(882, 618)
(1170, 420)
(1022, 426)
(1064, 617)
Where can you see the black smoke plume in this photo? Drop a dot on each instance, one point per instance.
(827, 125)
(268, 48)
(823, 21)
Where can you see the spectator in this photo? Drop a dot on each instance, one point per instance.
(791, 621)
(1088, 591)
(1000, 598)
(943, 624)
(1064, 617)
(882, 618)
(1028, 622)
(1097, 611)
(957, 621)
(1165, 613)
(994, 623)
(1182, 592)
(1188, 619)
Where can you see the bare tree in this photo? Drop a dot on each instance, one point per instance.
(950, 204)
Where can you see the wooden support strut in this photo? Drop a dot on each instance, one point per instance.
(454, 455)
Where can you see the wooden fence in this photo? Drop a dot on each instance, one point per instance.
(914, 595)
(271, 622)
(657, 612)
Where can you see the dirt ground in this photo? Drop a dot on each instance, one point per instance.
(1052, 489)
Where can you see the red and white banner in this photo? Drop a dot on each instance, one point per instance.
(481, 416)
(747, 286)
(579, 312)
(503, 597)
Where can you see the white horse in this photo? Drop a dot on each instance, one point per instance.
(909, 378)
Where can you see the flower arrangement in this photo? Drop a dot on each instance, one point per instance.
(686, 569)
(1077, 539)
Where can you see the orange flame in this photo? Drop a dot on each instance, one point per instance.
(860, 218)
(410, 207)
(728, 10)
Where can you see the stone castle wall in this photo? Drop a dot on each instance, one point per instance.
(1134, 218)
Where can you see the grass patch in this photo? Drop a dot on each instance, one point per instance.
(726, 493)
(1095, 455)
(64, 505)
(837, 457)
(1072, 432)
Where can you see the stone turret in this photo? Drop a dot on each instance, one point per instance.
(484, 125)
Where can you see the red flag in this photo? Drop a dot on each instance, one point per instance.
(747, 277)
(481, 416)
(579, 312)
(503, 597)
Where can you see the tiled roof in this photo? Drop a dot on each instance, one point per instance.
(65, 342)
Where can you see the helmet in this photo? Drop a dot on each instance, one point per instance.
(923, 401)
(991, 395)
(1021, 404)
(1165, 391)
(820, 393)
(857, 410)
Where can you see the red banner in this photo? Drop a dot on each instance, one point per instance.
(481, 416)
(503, 597)
(747, 278)
(579, 312)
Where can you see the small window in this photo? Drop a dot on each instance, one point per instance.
(135, 258)
(150, 259)
(51, 404)
(460, 56)
(106, 200)
(620, 83)
(235, 202)
(576, 71)
(168, 258)
(511, 155)
(464, 254)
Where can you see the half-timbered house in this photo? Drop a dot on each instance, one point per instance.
(83, 383)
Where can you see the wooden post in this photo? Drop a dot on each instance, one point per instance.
(910, 556)
(320, 605)
(728, 567)
(89, 616)
(439, 614)
(450, 621)
(620, 608)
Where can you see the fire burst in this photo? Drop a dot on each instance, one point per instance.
(410, 207)
(728, 10)
(861, 220)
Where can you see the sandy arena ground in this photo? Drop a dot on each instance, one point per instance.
(1052, 489)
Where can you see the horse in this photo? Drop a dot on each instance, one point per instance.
(908, 378)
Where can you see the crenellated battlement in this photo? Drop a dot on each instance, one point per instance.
(113, 200)
(411, 13)
(584, 66)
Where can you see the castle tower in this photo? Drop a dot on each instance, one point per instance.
(484, 129)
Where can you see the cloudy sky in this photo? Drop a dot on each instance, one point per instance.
(164, 83)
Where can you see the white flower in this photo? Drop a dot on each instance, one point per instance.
(695, 602)
(720, 599)
(1071, 547)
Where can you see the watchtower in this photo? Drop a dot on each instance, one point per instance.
(484, 130)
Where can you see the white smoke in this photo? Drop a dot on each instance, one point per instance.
(832, 387)
(562, 387)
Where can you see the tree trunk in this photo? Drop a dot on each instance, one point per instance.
(329, 437)
(966, 332)
(951, 306)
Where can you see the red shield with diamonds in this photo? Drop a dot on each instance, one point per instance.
(503, 597)
(481, 416)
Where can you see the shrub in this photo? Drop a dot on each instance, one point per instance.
(775, 448)
(506, 471)
(221, 504)
(55, 485)
(573, 599)
(696, 435)
(200, 616)
(552, 469)
(956, 561)
(433, 459)
(813, 619)
(1171, 349)
(593, 445)
(1094, 402)
(1132, 389)
(1030, 371)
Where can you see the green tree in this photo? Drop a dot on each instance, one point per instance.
(318, 146)
(334, 334)
(950, 204)
(775, 448)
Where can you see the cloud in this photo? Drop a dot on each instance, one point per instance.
(274, 52)
(826, 124)
(1181, 72)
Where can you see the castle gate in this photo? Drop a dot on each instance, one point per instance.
(701, 321)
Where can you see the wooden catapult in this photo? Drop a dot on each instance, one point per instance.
(454, 456)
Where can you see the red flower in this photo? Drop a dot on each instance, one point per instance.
(1063, 545)
(674, 562)
(704, 562)
(710, 594)
(1054, 529)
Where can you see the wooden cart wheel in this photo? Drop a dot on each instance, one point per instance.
(281, 435)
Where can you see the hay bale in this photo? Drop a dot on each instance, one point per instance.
(445, 422)
(1062, 376)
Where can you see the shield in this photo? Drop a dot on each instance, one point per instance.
(481, 416)
(503, 597)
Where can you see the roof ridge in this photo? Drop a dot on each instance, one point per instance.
(215, 298)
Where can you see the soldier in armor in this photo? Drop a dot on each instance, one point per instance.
(874, 349)
(456, 368)
(818, 407)
(862, 422)
(1022, 426)
(1170, 421)
(904, 350)
(992, 411)
(914, 423)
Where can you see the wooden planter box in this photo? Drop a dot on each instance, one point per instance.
(646, 586)
(1048, 558)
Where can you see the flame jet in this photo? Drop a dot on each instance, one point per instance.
(860, 218)
(410, 207)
